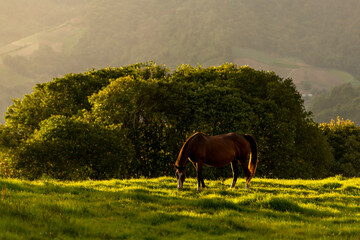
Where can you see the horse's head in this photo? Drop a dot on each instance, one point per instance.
(180, 175)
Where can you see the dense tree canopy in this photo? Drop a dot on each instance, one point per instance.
(344, 137)
(131, 121)
(69, 148)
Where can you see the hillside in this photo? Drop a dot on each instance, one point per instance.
(22, 18)
(341, 101)
(316, 44)
(26, 27)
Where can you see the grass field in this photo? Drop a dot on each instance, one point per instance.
(155, 209)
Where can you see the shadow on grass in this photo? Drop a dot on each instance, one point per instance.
(352, 190)
(289, 206)
(283, 205)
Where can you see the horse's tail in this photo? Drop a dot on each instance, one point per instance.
(254, 155)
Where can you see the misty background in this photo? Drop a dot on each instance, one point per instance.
(316, 43)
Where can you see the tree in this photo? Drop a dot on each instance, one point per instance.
(344, 137)
(66, 96)
(150, 112)
(70, 148)
(135, 106)
(262, 104)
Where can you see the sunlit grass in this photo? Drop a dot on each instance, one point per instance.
(155, 209)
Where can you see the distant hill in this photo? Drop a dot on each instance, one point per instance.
(22, 18)
(342, 101)
(314, 42)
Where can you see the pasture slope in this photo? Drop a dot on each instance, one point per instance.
(154, 209)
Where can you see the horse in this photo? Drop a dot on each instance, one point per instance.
(218, 151)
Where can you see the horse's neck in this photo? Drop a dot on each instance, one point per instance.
(186, 149)
(181, 162)
(184, 155)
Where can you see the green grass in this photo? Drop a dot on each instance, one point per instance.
(266, 58)
(155, 209)
(345, 77)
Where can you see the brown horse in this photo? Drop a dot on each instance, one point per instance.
(218, 151)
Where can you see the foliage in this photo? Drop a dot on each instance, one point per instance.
(214, 100)
(259, 103)
(6, 166)
(148, 112)
(314, 153)
(69, 148)
(66, 96)
(344, 137)
(343, 100)
(134, 105)
(154, 209)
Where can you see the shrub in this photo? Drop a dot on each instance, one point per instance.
(70, 148)
(344, 138)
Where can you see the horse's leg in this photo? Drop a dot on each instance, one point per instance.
(199, 175)
(243, 163)
(202, 181)
(235, 170)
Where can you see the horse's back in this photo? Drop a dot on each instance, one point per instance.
(239, 140)
(219, 150)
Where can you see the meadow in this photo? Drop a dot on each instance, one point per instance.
(155, 209)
